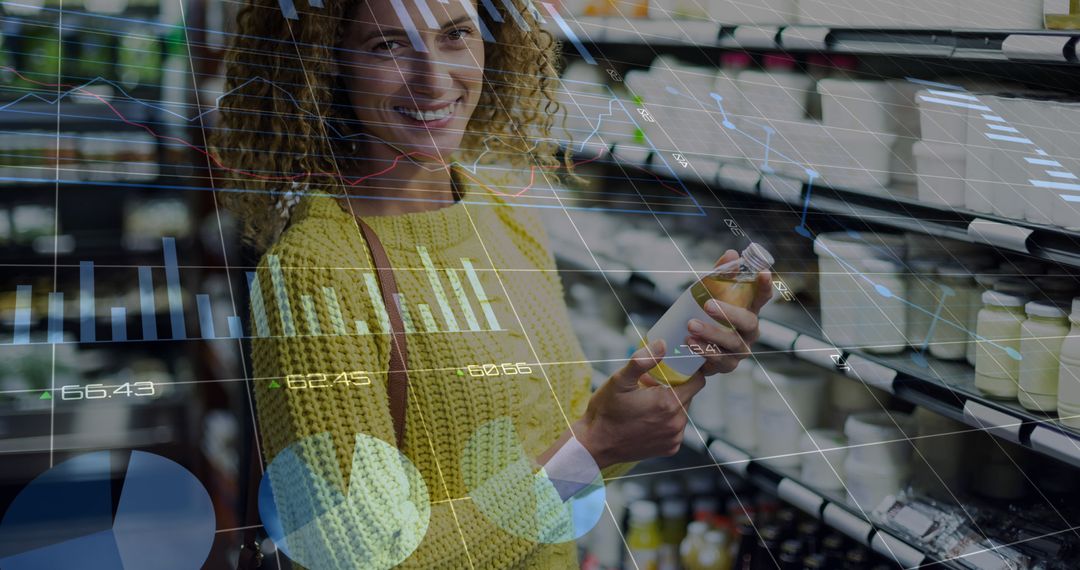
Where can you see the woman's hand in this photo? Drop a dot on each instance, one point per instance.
(735, 328)
(634, 417)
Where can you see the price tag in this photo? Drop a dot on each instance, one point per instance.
(871, 373)
(904, 554)
(729, 456)
(847, 523)
(999, 423)
(805, 38)
(776, 335)
(1057, 444)
(800, 496)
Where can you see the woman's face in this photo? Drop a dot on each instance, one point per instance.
(413, 84)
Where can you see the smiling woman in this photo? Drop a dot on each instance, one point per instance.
(401, 265)
(313, 101)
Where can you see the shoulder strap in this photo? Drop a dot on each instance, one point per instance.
(397, 384)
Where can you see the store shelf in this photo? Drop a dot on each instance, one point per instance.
(1050, 46)
(1048, 243)
(830, 508)
(945, 387)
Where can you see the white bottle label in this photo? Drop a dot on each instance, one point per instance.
(672, 328)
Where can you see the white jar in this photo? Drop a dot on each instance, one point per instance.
(823, 453)
(940, 168)
(984, 282)
(939, 467)
(1069, 376)
(1041, 337)
(862, 291)
(788, 398)
(738, 408)
(780, 93)
(923, 297)
(847, 396)
(879, 456)
(997, 356)
(707, 407)
(953, 332)
(855, 105)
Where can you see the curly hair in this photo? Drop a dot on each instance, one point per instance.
(280, 122)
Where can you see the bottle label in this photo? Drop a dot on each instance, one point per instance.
(672, 328)
(645, 559)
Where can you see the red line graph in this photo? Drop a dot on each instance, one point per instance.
(352, 182)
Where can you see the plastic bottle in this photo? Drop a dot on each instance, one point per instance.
(672, 532)
(1069, 374)
(644, 538)
(714, 553)
(733, 283)
(691, 546)
(997, 366)
(1041, 337)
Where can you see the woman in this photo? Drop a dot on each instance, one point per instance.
(366, 110)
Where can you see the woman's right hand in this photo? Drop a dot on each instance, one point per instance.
(633, 416)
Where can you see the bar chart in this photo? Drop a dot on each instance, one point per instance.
(455, 309)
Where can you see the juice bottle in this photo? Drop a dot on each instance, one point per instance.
(644, 538)
(672, 531)
(691, 545)
(733, 283)
(714, 554)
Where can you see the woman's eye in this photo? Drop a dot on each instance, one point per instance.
(388, 45)
(459, 34)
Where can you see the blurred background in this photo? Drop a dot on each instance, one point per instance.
(914, 398)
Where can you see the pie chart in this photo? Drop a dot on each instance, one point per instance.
(109, 510)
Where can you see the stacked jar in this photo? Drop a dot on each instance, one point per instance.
(1041, 337)
(879, 456)
(1068, 405)
(862, 290)
(951, 337)
(997, 356)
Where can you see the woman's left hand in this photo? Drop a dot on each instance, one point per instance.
(734, 328)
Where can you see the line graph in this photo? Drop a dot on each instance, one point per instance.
(86, 89)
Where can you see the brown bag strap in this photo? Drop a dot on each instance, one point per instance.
(397, 384)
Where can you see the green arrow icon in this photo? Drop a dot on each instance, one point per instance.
(45, 396)
(274, 384)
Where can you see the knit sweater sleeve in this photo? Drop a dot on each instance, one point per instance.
(344, 496)
(531, 235)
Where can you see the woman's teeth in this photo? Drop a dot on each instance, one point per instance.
(426, 116)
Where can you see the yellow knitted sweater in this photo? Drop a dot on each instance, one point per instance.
(323, 278)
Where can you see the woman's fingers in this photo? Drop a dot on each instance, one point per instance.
(744, 321)
(729, 255)
(764, 291)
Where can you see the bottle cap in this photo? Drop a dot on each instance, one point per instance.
(999, 299)
(643, 511)
(697, 528)
(714, 537)
(673, 508)
(757, 258)
(1044, 309)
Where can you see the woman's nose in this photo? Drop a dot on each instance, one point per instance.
(430, 76)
